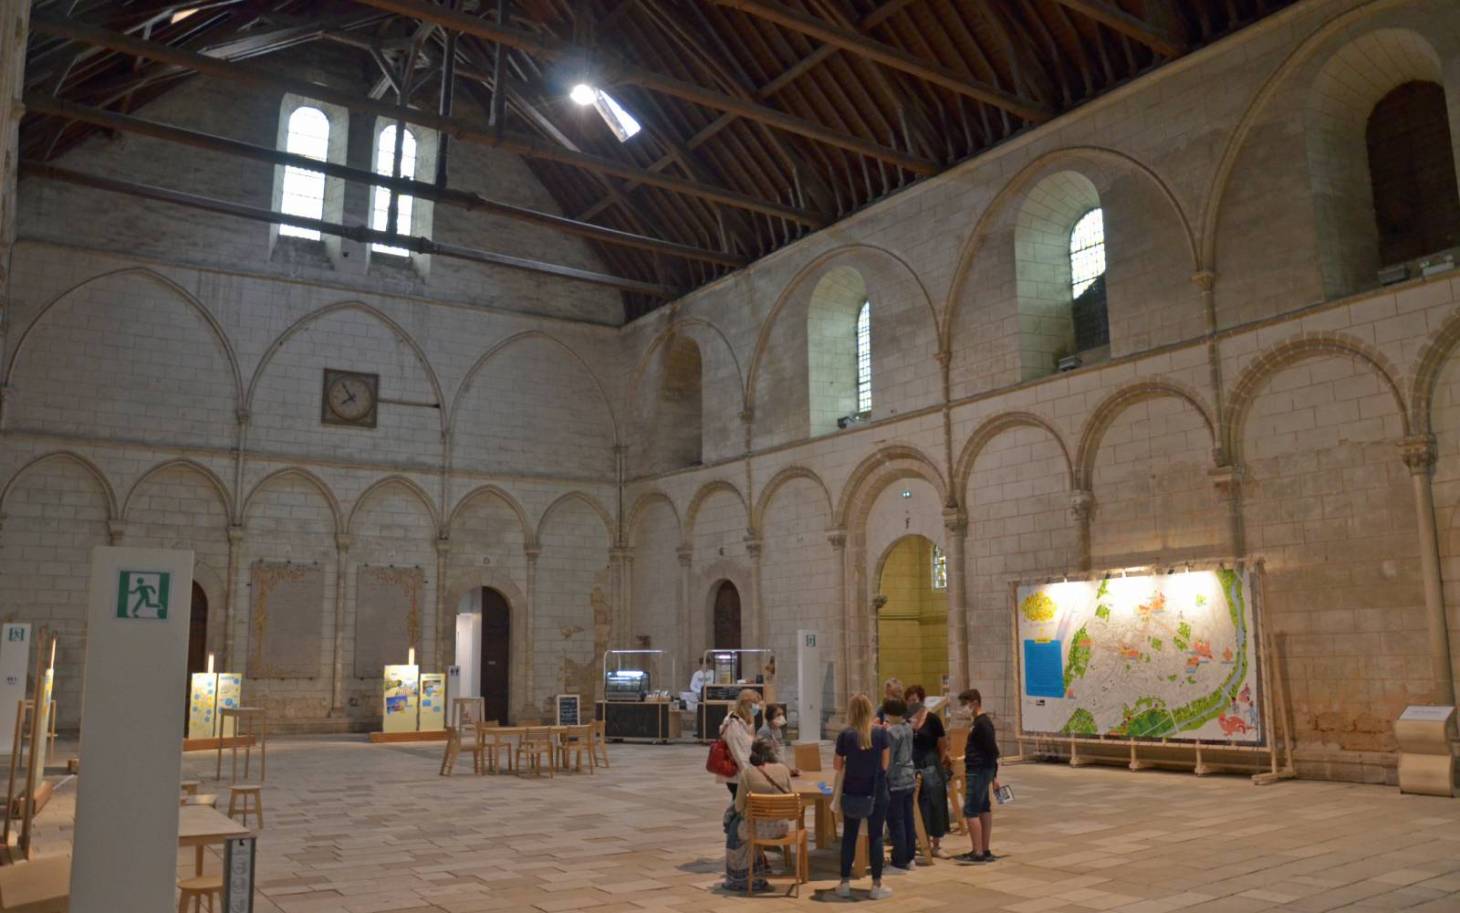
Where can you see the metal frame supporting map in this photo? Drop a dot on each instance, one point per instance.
(1159, 656)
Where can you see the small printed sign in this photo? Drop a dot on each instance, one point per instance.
(238, 860)
(16, 632)
(143, 594)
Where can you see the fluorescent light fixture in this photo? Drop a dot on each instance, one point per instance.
(583, 94)
(619, 120)
(182, 14)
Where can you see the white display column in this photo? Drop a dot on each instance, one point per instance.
(469, 654)
(15, 649)
(124, 855)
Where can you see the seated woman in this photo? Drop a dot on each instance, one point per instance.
(763, 775)
(772, 730)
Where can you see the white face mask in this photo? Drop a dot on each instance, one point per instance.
(778, 722)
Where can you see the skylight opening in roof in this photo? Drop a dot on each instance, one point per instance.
(182, 14)
(619, 120)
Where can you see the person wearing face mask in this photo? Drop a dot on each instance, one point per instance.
(773, 730)
(738, 731)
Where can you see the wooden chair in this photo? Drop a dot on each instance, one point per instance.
(577, 741)
(769, 807)
(536, 745)
(239, 800)
(807, 756)
(198, 888)
(599, 752)
(453, 749)
(924, 844)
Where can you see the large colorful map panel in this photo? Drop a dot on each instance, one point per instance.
(1164, 656)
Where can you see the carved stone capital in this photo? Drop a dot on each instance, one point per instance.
(343, 541)
(243, 415)
(1227, 479)
(116, 530)
(837, 538)
(943, 356)
(1418, 452)
(1082, 503)
(753, 546)
(531, 550)
(1205, 279)
(686, 555)
(621, 553)
(236, 535)
(746, 415)
(443, 546)
(955, 521)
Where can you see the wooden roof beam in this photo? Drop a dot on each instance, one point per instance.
(927, 70)
(1158, 39)
(623, 71)
(248, 74)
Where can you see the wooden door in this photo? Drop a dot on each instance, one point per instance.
(727, 617)
(198, 632)
(496, 654)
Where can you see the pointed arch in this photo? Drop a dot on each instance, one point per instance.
(643, 503)
(1016, 188)
(703, 495)
(1117, 402)
(1291, 352)
(298, 325)
(166, 284)
(787, 474)
(1237, 138)
(466, 383)
(303, 475)
(993, 427)
(892, 453)
(180, 463)
(813, 271)
(663, 336)
(108, 494)
(583, 498)
(394, 481)
(490, 491)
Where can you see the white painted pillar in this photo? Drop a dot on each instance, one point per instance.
(955, 527)
(1419, 455)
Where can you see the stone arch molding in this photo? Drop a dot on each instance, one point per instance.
(308, 478)
(708, 490)
(805, 280)
(104, 487)
(777, 481)
(1293, 352)
(463, 581)
(1065, 159)
(1300, 55)
(568, 498)
(644, 502)
(991, 428)
(1117, 402)
(142, 272)
(870, 477)
(393, 481)
(490, 492)
(678, 325)
(303, 322)
(452, 415)
(199, 469)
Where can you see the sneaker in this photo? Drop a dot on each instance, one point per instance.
(912, 864)
(844, 889)
(940, 853)
(987, 856)
(896, 870)
(879, 892)
(967, 858)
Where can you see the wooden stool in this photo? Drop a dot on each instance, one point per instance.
(195, 889)
(243, 793)
(191, 786)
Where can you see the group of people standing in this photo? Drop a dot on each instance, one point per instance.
(880, 758)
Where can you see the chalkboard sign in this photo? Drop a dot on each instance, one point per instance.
(568, 705)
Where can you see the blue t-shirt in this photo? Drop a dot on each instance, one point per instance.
(863, 765)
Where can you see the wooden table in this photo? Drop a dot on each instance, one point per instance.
(501, 734)
(807, 790)
(201, 826)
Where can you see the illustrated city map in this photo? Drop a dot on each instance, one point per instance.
(1166, 656)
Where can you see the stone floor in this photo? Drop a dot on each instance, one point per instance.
(359, 828)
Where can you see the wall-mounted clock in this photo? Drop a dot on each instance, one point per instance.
(350, 398)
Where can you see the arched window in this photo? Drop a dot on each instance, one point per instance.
(940, 569)
(864, 358)
(303, 191)
(1087, 281)
(1412, 171)
(380, 204)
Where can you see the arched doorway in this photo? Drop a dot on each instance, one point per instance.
(726, 620)
(912, 614)
(198, 632)
(496, 654)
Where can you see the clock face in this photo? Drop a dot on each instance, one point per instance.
(350, 398)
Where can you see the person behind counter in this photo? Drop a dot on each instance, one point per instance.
(773, 731)
(738, 731)
(764, 775)
(930, 757)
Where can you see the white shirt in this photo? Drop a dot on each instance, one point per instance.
(697, 682)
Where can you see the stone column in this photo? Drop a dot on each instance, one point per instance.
(529, 636)
(686, 614)
(116, 530)
(841, 672)
(443, 552)
(1419, 455)
(14, 30)
(231, 663)
(1228, 480)
(623, 612)
(759, 635)
(1082, 504)
(955, 527)
(343, 541)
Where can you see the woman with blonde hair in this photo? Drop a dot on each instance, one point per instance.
(738, 731)
(863, 753)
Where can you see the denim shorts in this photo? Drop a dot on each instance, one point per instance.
(980, 781)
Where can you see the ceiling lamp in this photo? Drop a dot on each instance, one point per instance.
(619, 120)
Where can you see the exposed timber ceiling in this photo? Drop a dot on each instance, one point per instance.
(762, 119)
